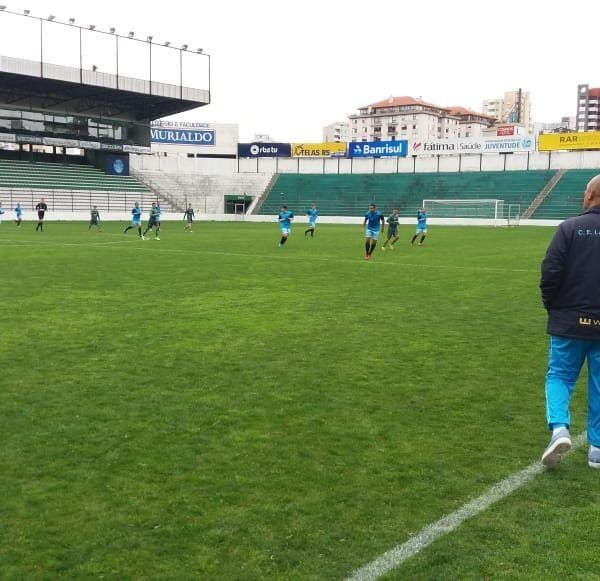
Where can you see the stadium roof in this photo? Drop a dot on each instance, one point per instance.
(594, 92)
(33, 93)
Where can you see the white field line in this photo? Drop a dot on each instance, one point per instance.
(283, 255)
(395, 557)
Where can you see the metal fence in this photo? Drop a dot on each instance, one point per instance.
(76, 200)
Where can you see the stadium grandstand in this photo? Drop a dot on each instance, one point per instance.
(347, 195)
(67, 129)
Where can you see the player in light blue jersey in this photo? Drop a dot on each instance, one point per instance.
(421, 227)
(18, 215)
(312, 214)
(375, 223)
(136, 220)
(285, 223)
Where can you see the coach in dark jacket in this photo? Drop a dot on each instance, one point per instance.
(570, 288)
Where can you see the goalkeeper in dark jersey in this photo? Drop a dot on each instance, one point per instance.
(153, 221)
(392, 229)
(95, 219)
(189, 217)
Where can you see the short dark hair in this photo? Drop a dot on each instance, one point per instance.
(284, 207)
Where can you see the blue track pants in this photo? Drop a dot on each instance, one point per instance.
(564, 365)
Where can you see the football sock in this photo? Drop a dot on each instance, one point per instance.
(128, 228)
(413, 239)
(140, 231)
(423, 238)
(283, 240)
(367, 247)
(372, 247)
(156, 232)
(306, 232)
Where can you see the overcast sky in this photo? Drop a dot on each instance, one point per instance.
(289, 68)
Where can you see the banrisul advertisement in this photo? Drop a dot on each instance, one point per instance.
(378, 148)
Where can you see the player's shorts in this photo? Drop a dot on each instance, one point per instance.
(190, 219)
(152, 223)
(421, 230)
(374, 234)
(285, 230)
(312, 225)
(41, 215)
(136, 222)
(392, 231)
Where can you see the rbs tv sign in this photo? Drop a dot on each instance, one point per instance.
(182, 136)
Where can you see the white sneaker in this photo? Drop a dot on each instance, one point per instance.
(157, 238)
(559, 445)
(594, 457)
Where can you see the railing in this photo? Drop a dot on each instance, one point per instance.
(75, 200)
(358, 206)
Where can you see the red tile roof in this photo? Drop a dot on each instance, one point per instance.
(460, 111)
(399, 102)
(594, 92)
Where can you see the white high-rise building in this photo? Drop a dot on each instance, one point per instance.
(415, 120)
(336, 132)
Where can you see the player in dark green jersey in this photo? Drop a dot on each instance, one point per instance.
(95, 219)
(189, 217)
(153, 221)
(392, 229)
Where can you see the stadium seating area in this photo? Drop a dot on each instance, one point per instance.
(566, 198)
(56, 176)
(349, 195)
(69, 187)
(205, 192)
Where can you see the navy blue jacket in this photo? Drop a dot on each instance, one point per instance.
(570, 282)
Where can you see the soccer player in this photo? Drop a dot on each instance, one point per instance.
(285, 223)
(136, 220)
(392, 229)
(570, 287)
(1, 212)
(41, 208)
(18, 215)
(375, 223)
(421, 227)
(153, 221)
(312, 214)
(95, 219)
(189, 217)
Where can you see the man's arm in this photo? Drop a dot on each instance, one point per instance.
(553, 267)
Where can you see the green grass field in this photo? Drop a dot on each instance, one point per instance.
(213, 407)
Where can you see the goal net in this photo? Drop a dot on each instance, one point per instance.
(485, 208)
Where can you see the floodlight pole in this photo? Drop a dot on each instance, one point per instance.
(150, 41)
(41, 48)
(117, 55)
(80, 57)
(181, 73)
